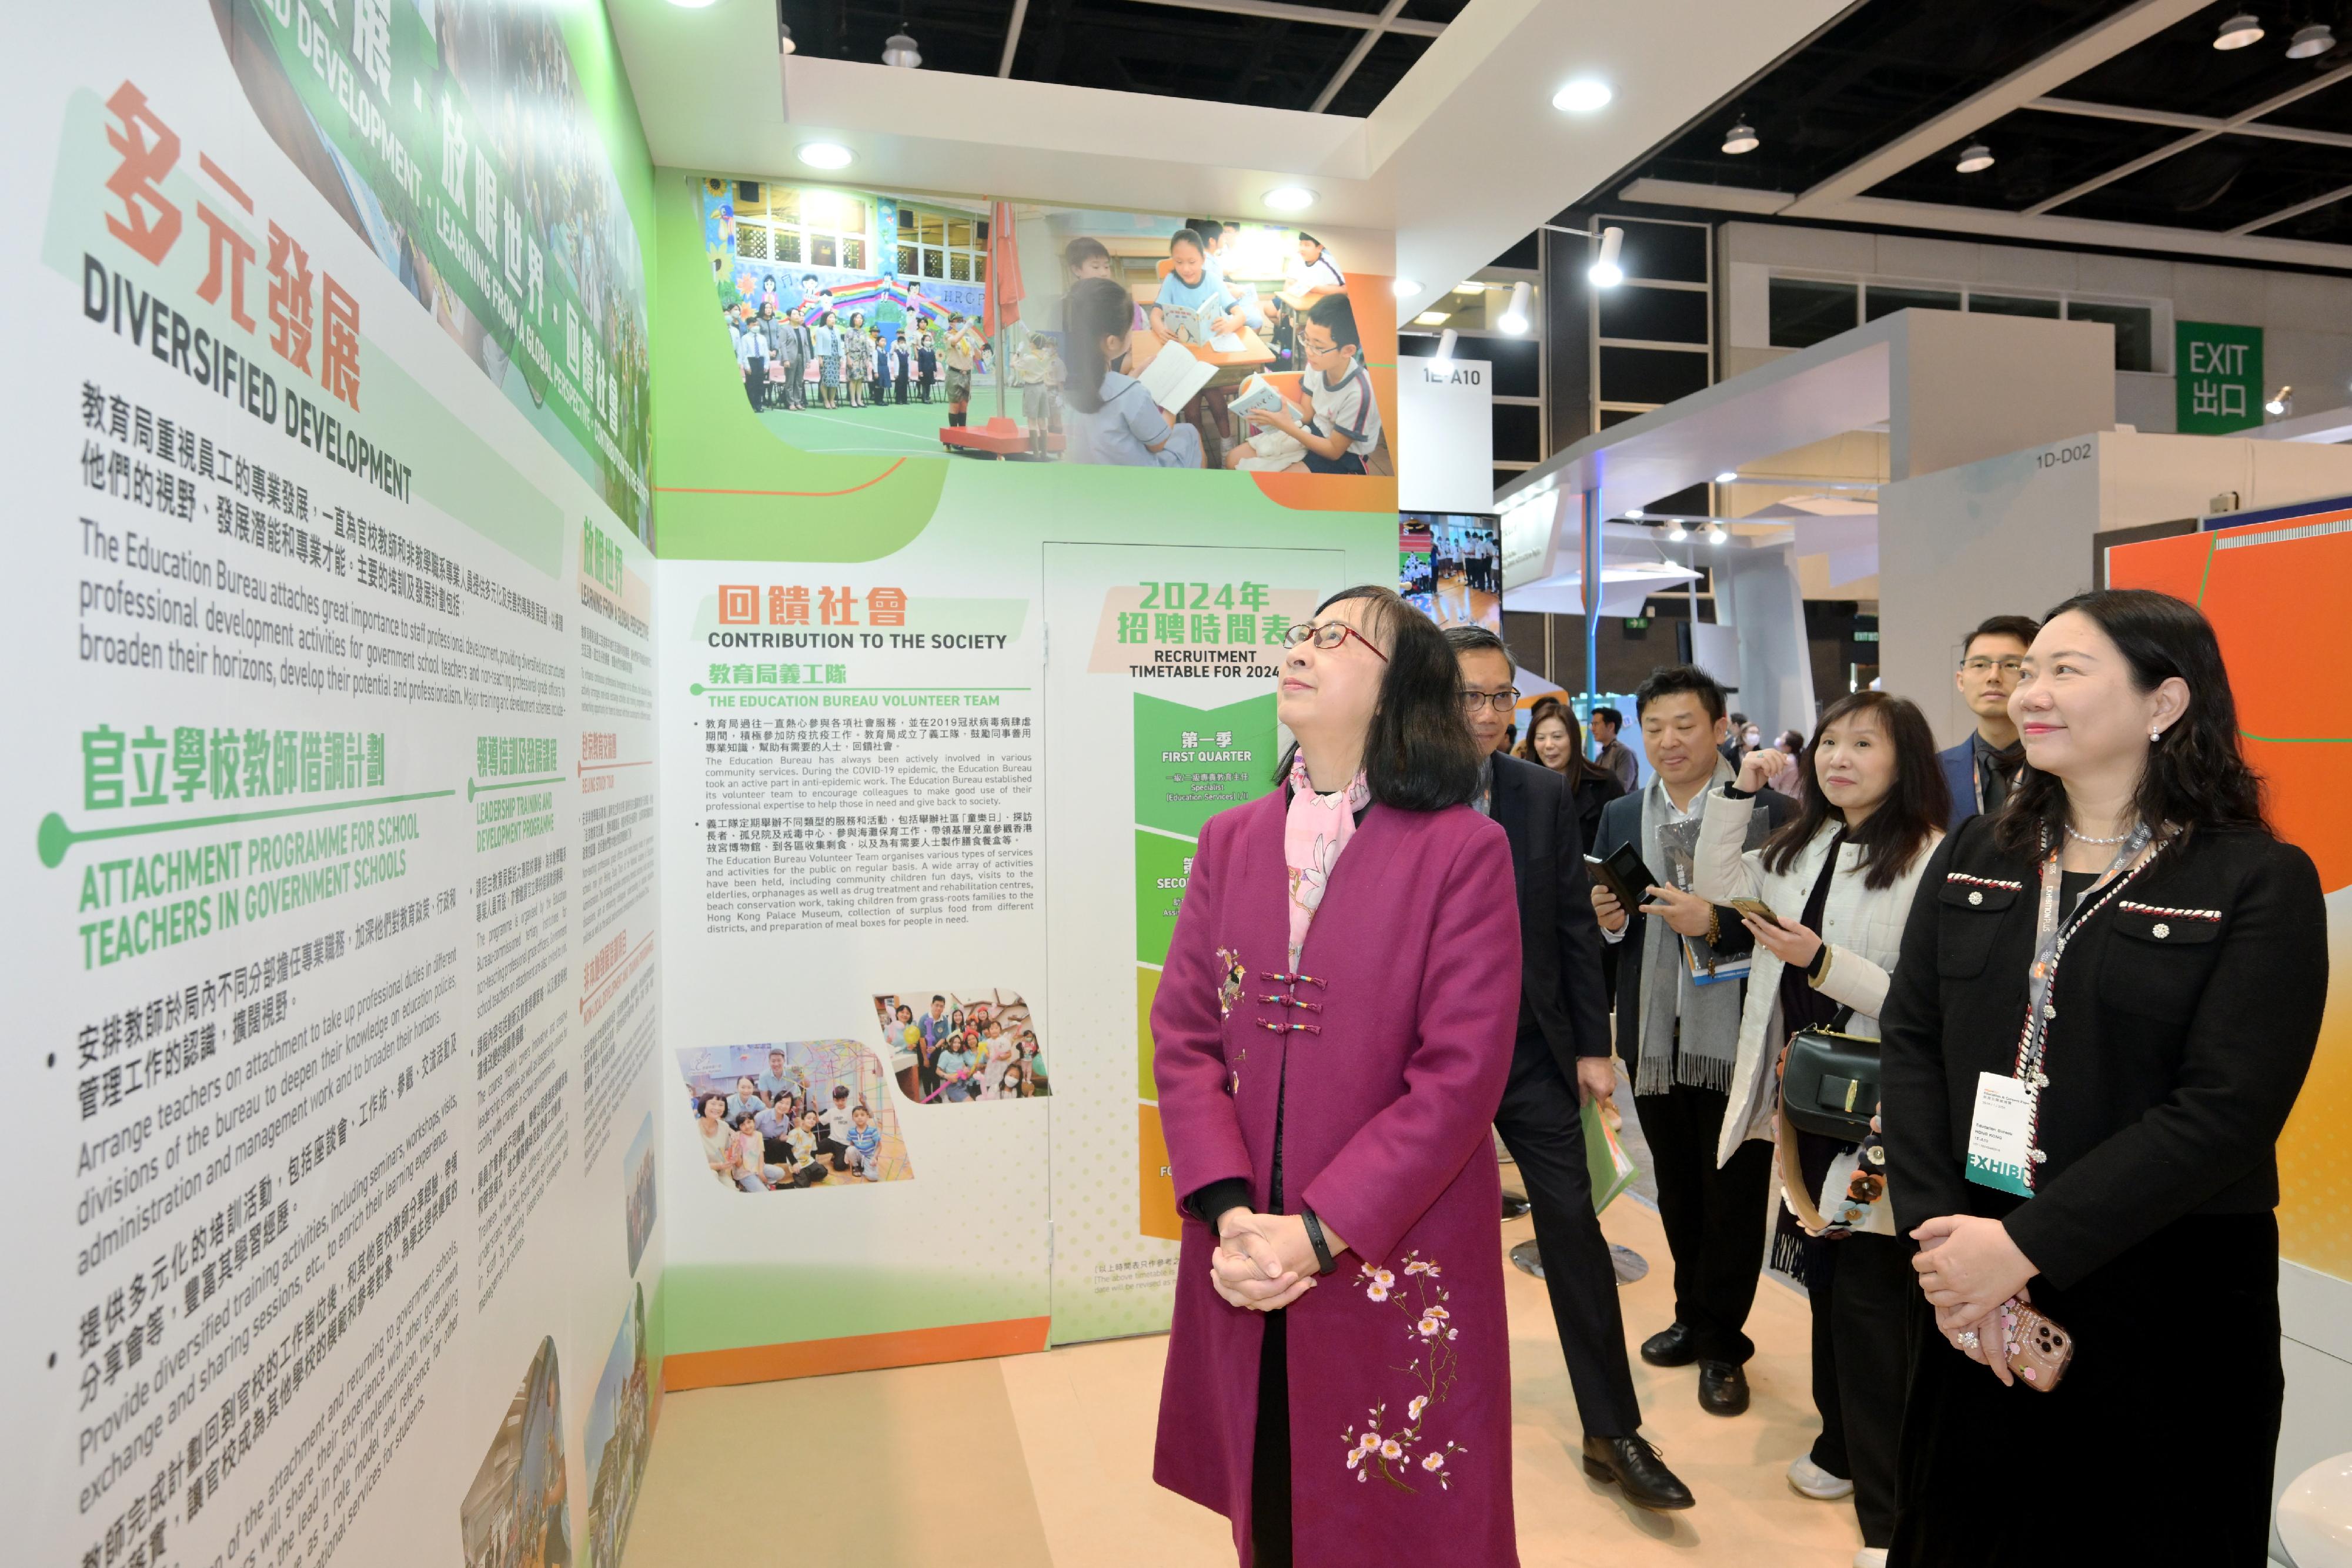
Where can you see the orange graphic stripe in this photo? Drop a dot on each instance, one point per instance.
(857, 1353)
(696, 490)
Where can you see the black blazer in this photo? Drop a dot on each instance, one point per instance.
(2188, 1008)
(1563, 1002)
(1621, 823)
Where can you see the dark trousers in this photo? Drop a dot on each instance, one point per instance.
(1541, 1123)
(1270, 1454)
(1864, 1291)
(902, 388)
(1714, 1216)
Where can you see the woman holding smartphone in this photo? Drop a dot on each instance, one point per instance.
(2108, 997)
(1838, 879)
(1332, 1033)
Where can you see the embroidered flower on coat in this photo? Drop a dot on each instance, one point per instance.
(1394, 1454)
(1229, 988)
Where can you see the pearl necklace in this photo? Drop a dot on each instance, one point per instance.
(2082, 838)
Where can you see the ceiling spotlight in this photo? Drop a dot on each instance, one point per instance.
(2238, 31)
(1636, 513)
(1605, 273)
(827, 155)
(1741, 138)
(1677, 533)
(1728, 477)
(1716, 533)
(2280, 402)
(1514, 318)
(1290, 198)
(1582, 96)
(2311, 42)
(899, 50)
(1442, 361)
(784, 45)
(1975, 159)
(1404, 288)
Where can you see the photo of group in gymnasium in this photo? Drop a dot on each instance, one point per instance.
(803, 1113)
(617, 1432)
(884, 324)
(952, 1048)
(1450, 568)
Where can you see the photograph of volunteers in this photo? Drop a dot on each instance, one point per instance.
(798, 1114)
(1450, 568)
(514, 1514)
(951, 1048)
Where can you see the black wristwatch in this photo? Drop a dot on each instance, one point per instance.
(1325, 1262)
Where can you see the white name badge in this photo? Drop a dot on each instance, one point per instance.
(2000, 1134)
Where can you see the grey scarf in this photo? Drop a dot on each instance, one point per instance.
(1709, 1015)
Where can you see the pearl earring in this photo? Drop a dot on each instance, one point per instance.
(2153, 735)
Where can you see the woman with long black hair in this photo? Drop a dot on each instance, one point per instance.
(1555, 741)
(1333, 1029)
(1840, 876)
(2108, 997)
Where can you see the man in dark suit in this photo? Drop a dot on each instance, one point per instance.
(1680, 1037)
(1562, 1058)
(1980, 768)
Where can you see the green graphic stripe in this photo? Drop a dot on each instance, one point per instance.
(698, 688)
(55, 838)
(2298, 740)
(2212, 550)
(472, 789)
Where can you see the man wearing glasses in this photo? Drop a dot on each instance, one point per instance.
(1981, 769)
(1562, 1058)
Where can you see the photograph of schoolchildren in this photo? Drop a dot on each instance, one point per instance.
(854, 318)
(637, 1182)
(616, 1437)
(1194, 342)
(881, 325)
(801, 1113)
(514, 1514)
(954, 1047)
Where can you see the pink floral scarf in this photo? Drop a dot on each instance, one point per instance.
(1316, 827)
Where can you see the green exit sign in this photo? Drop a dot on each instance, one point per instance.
(1865, 636)
(1637, 624)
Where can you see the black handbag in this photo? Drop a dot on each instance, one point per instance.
(1830, 1085)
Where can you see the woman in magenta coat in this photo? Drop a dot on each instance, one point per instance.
(1332, 1032)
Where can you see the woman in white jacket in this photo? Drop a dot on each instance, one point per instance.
(1840, 877)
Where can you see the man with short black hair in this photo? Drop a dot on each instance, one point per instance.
(1981, 769)
(1614, 753)
(1681, 1036)
(1562, 1058)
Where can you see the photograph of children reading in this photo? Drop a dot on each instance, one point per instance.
(800, 1115)
(952, 1048)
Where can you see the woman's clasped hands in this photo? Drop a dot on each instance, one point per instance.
(1265, 1262)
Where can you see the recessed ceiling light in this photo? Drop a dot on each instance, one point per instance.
(1514, 317)
(784, 45)
(1582, 96)
(1290, 198)
(899, 49)
(1605, 273)
(827, 155)
(1469, 289)
(1405, 288)
(1442, 361)
(1728, 477)
(1975, 159)
(1430, 319)
(2311, 42)
(1741, 138)
(2238, 31)
(1636, 513)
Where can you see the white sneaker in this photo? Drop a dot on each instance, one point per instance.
(1809, 1479)
(1870, 1557)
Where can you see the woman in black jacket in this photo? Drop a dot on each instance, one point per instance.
(1556, 741)
(2108, 999)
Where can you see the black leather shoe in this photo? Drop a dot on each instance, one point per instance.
(1634, 1464)
(1722, 1388)
(1674, 1346)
